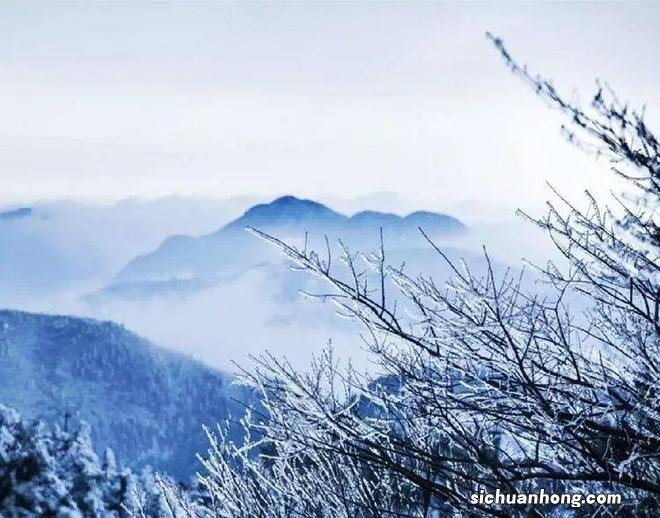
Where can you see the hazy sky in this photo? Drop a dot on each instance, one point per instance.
(109, 100)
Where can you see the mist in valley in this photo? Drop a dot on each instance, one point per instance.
(71, 258)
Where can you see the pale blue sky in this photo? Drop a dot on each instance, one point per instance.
(109, 100)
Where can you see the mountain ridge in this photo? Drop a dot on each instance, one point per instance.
(20, 213)
(185, 257)
(286, 209)
(146, 403)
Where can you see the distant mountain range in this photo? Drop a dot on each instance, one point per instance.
(290, 213)
(231, 249)
(60, 248)
(144, 402)
(20, 213)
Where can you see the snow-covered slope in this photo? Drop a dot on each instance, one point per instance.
(144, 402)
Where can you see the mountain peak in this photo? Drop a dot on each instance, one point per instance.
(287, 210)
(289, 202)
(289, 199)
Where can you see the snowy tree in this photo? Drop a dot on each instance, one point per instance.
(483, 383)
(50, 472)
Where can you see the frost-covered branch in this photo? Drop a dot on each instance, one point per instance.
(481, 383)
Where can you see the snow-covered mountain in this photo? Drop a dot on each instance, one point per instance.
(230, 249)
(146, 403)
